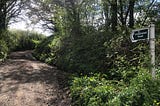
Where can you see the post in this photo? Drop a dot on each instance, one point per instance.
(152, 49)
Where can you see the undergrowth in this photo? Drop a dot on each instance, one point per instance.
(13, 40)
(96, 90)
(111, 71)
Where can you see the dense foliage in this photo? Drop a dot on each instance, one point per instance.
(123, 66)
(27, 40)
(18, 40)
(7, 42)
(110, 69)
(3, 50)
(9, 11)
(96, 90)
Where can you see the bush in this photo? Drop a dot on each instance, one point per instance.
(84, 54)
(95, 52)
(17, 40)
(27, 40)
(3, 50)
(47, 50)
(7, 43)
(69, 53)
(158, 72)
(10, 39)
(143, 91)
(92, 91)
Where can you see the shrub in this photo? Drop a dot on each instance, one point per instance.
(158, 72)
(84, 54)
(3, 50)
(47, 50)
(95, 52)
(28, 40)
(17, 40)
(143, 91)
(95, 90)
(10, 39)
(69, 53)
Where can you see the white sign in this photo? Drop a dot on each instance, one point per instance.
(140, 34)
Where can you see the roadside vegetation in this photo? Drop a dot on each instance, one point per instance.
(108, 69)
(105, 73)
(17, 40)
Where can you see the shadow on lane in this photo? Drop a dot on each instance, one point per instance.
(19, 69)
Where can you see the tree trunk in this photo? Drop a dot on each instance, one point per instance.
(3, 14)
(114, 15)
(106, 8)
(122, 20)
(131, 13)
(74, 17)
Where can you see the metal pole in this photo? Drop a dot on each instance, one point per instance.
(152, 49)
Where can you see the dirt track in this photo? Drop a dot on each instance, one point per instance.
(26, 82)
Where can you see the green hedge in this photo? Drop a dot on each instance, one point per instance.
(123, 78)
(7, 42)
(97, 91)
(27, 40)
(18, 40)
(3, 50)
(95, 52)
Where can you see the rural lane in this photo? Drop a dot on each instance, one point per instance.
(27, 82)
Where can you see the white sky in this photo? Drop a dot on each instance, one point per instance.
(25, 24)
(22, 25)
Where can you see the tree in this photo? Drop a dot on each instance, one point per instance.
(114, 14)
(43, 12)
(146, 11)
(9, 9)
(131, 13)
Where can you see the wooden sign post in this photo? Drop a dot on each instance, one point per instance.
(152, 49)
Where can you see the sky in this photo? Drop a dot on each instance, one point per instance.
(23, 23)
